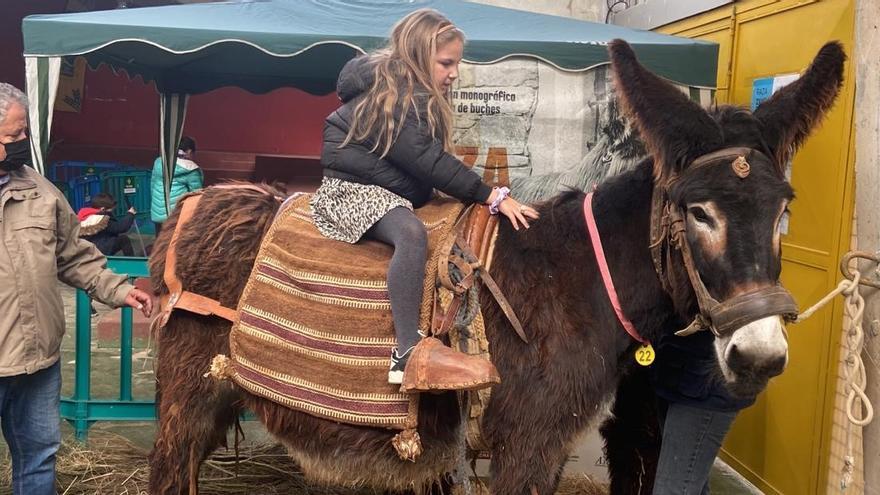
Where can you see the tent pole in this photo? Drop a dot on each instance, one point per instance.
(172, 114)
(42, 75)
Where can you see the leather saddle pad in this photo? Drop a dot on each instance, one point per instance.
(314, 331)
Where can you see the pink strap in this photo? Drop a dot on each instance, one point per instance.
(603, 268)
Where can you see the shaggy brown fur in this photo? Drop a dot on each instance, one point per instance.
(194, 413)
(553, 388)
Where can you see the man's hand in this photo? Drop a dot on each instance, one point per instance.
(139, 299)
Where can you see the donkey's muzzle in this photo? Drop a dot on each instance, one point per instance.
(738, 311)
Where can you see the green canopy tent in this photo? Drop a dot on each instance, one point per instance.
(266, 44)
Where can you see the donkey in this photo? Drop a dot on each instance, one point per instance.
(711, 245)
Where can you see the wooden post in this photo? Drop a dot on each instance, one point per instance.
(865, 55)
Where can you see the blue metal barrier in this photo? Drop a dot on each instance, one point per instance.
(81, 410)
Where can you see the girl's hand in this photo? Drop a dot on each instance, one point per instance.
(517, 212)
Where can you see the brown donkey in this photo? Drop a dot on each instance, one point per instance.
(716, 249)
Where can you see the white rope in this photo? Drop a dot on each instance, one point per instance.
(859, 410)
(841, 287)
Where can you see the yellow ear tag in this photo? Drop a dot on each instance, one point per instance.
(645, 355)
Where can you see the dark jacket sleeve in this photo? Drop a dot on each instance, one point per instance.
(423, 156)
(119, 226)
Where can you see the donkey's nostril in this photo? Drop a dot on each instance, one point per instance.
(775, 366)
(741, 361)
(735, 358)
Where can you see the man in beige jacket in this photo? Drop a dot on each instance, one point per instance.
(39, 245)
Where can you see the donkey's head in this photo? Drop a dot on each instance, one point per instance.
(722, 173)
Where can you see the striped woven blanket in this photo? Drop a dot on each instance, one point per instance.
(314, 329)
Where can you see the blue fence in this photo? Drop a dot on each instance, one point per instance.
(79, 181)
(81, 409)
(82, 189)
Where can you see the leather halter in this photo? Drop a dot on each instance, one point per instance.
(668, 233)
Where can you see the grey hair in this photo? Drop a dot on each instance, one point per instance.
(8, 95)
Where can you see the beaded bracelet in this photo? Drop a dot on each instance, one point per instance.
(503, 192)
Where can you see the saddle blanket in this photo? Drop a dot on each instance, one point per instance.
(314, 330)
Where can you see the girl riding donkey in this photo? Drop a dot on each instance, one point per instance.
(385, 150)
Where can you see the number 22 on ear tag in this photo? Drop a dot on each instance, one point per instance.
(645, 355)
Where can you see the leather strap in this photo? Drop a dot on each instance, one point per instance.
(740, 310)
(478, 224)
(445, 249)
(727, 154)
(659, 236)
(490, 284)
(448, 319)
(202, 305)
(177, 297)
(505, 306)
(677, 232)
(468, 278)
(187, 210)
(471, 269)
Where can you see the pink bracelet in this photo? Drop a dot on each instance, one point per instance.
(503, 192)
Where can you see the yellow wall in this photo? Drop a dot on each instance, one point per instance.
(782, 443)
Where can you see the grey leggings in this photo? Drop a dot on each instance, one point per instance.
(406, 275)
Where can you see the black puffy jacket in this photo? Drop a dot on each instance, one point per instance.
(414, 166)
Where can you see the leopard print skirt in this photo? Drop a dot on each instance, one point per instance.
(344, 210)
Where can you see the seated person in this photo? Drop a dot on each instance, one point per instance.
(98, 226)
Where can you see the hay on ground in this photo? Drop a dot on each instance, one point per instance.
(111, 464)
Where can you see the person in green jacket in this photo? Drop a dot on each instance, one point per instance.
(187, 177)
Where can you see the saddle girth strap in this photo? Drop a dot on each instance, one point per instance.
(177, 297)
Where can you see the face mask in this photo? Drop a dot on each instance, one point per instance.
(17, 155)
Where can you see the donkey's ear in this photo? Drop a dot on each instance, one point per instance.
(674, 128)
(792, 112)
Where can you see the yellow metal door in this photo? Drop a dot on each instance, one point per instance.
(782, 443)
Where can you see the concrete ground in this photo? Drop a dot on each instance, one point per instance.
(105, 384)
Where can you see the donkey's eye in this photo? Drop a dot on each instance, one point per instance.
(700, 215)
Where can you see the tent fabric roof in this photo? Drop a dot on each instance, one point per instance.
(260, 45)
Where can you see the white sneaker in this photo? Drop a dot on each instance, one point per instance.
(398, 365)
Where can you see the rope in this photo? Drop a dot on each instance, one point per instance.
(468, 310)
(471, 303)
(855, 376)
(841, 287)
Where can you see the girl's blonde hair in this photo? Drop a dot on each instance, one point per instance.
(401, 69)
